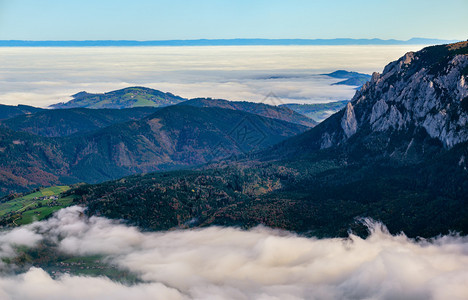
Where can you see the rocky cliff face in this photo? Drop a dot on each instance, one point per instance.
(422, 90)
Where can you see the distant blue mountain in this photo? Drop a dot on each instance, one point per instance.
(341, 74)
(221, 42)
(351, 78)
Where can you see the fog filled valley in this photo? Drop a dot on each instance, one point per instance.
(227, 263)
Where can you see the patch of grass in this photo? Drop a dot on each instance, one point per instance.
(34, 207)
(143, 101)
(41, 213)
(50, 191)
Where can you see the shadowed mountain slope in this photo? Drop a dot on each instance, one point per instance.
(10, 111)
(172, 137)
(264, 110)
(64, 122)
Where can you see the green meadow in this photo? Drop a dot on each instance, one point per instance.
(35, 206)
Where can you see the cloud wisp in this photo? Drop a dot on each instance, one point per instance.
(229, 263)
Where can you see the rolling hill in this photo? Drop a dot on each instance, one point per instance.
(124, 98)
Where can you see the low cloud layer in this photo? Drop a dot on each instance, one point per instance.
(228, 263)
(44, 76)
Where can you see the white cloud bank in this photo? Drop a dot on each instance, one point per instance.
(43, 76)
(228, 263)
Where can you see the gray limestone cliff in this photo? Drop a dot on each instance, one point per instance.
(426, 90)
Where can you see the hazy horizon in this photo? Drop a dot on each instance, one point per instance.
(340, 41)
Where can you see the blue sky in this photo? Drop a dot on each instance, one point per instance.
(184, 19)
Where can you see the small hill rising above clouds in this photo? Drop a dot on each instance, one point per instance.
(350, 78)
(124, 98)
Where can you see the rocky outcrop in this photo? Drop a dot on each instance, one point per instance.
(427, 89)
(348, 122)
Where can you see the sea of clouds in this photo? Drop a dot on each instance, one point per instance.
(229, 263)
(44, 76)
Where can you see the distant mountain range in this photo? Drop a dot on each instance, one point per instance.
(222, 42)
